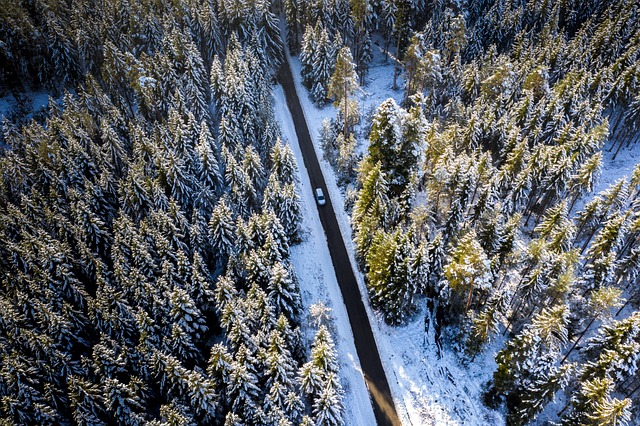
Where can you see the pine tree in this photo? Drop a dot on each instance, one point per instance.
(347, 157)
(531, 358)
(283, 163)
(584, 179)
(593, 404)
(423, 69)
(191, 386)
(342, 85)
(185, 314)
(466, 273)
(121, 401)
(292, 12)
(307, 54)
(323, 65)
(281, 368)
(370, 210)
(284, 202)
(390, 276)
(318, 56)
(436, 257)
(540, 390)
(319, 380)
(86, 401)
(174, 415)
(614, 350)
(386, 137)
(484, 325)
(219, 367)
(327, 408)
(602, 253)
(244, 392)
(362, 14)
(284, 292)
(208, 170)
(222, 230)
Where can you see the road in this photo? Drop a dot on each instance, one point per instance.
(366, 348)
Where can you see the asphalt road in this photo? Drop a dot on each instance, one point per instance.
(374, 375)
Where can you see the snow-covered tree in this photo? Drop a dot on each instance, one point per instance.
(342, 85)
(390, 275)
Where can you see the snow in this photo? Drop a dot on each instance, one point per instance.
(612, 170)
(318, 284)
(145, 81)
(429, 386)
(35, 102)
(10, 108)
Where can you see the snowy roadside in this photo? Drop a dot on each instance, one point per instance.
(426, 389)
(313, 266)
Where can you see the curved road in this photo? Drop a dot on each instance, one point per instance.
(374, 375)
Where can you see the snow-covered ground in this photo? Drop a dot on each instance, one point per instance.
(318, 284)
(33, 101)
(612, 170)
(428, 388)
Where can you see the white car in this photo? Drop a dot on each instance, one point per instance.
(320, 197)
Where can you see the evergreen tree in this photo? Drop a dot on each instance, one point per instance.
(342, 86)
(319, 380)
(593, 404)
(467, 273)
(208, 170)
(318, 57)
(283, 163)
(370, 210)
(390, 276)
(222, 230)
(87, 402)
(615, 350)
(527, 369)
(284, 292)
(347, 157)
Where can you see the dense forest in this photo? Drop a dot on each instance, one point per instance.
(147, 214)
(145, 222)
(474, 191)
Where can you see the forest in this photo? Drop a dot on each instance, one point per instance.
(145, 222)
(148, 212)
(474, 192)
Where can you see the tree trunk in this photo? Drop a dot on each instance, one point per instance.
(547, 201)
(630, 241)
(387, 40)
(512, 318)
(578, 339)
(618, 150)
(469, 299)
(346, 128)
(633, 139)
(632, 391)
(618, 121)
(587, 241)
(564, 408)
(633, 295)
(396, 67)
(573, 203)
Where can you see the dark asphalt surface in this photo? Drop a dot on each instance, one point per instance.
(374, 375)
